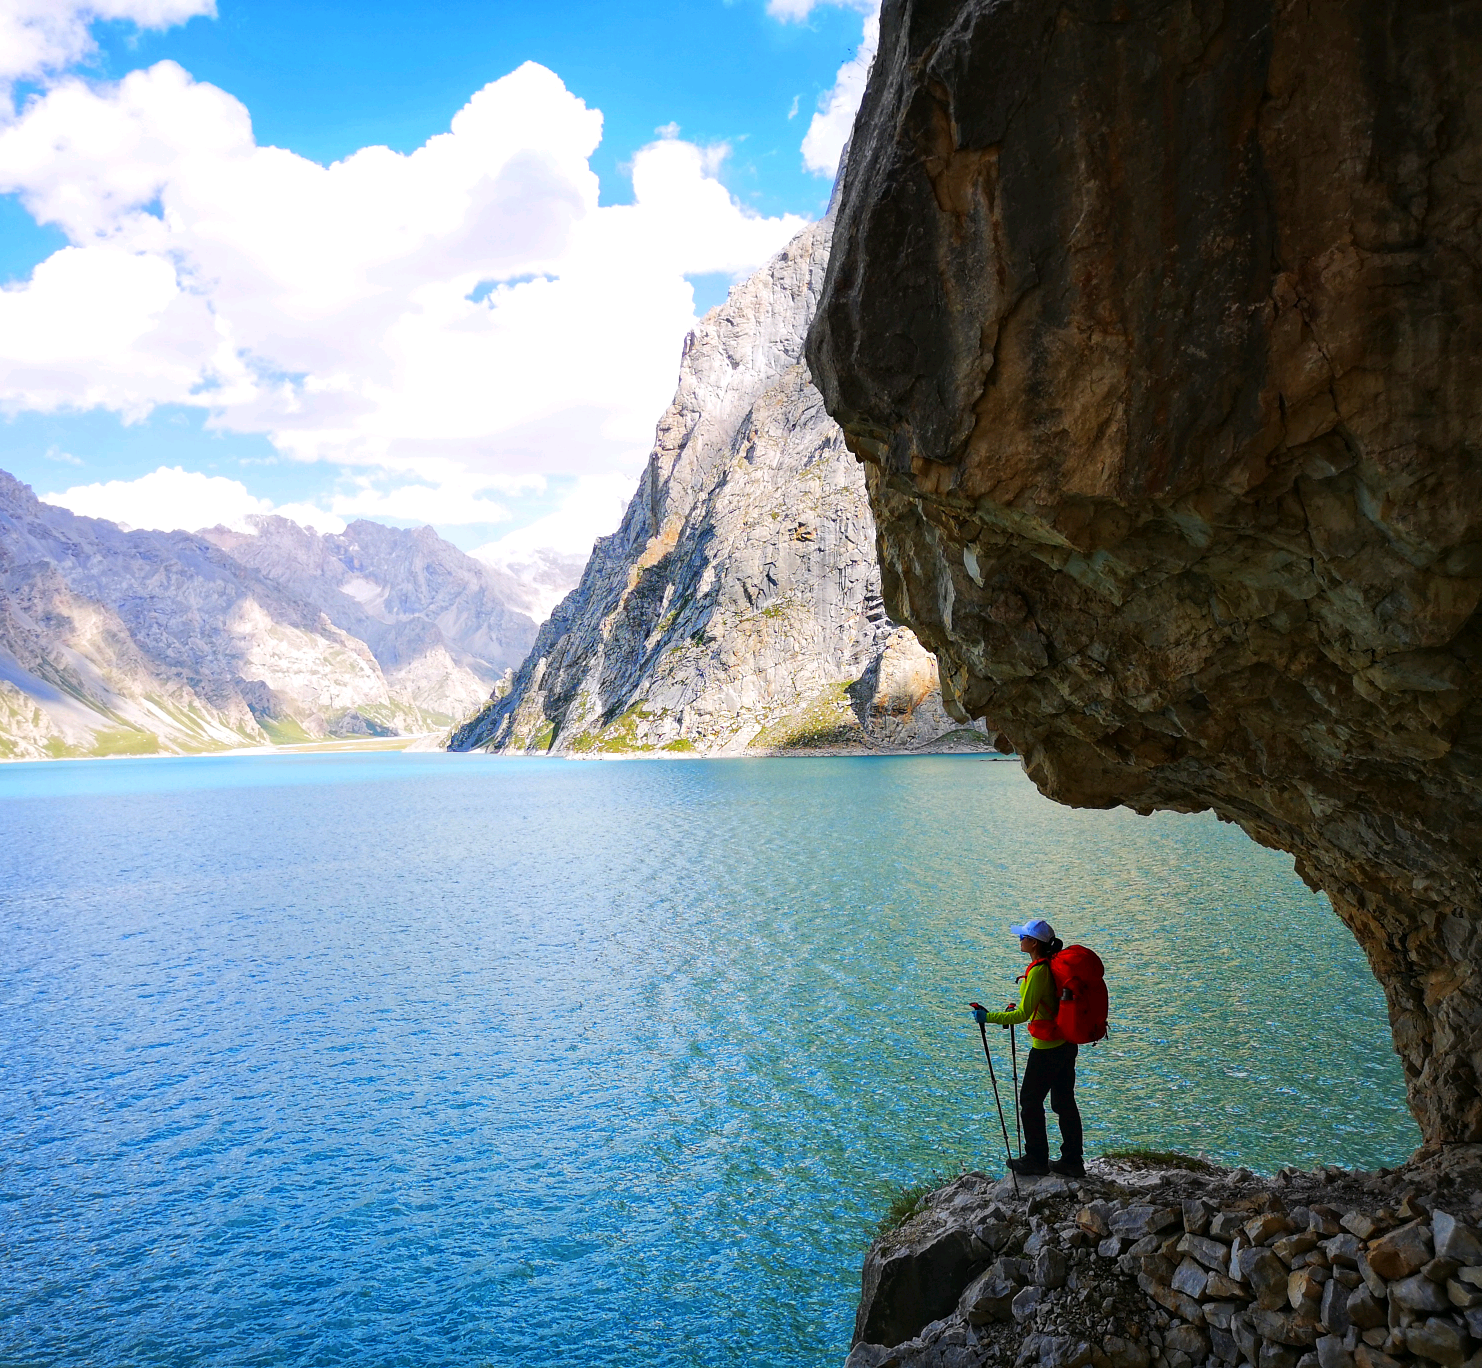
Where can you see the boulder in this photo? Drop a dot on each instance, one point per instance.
(912, 1278)
(987, 1298)
(1453, 1240)
(1401, 1252)
(1334, 1307)
(1439, 1341)
(1419, 1293)
(1133, 1222)
(1211, 1253)
(1190, 1279)
(1265, 1275)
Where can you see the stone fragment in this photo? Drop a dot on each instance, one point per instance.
(1187, 1339)
(1365, 1310)
(1365, 1227)
(1148, 1244)
(1334, 1309)
(1265, 1275)
(987, 1298)
(1402, 1252)
(1197, 1214)
(1220, 1313)
(1125, 1353)
(1276, 1356)
(1474, 1323)
(1092, 1218)
(1224, 1224)
(1303, 1291)
(1222, 1345)
(1243, 1330)
(993, 1235)
(1372, 1280)
(1333, 1353)
(1463, 1296)
(1438, 1270)
(1190, 1278)
(1136, 1221)
(1267, 1226)
(1323, 1221)
(1471, 1276)
(1343, 1249)
(1210, 1253)
(1285, 1327)
(1439, 1341)
(1419, 1293)
(1110, 1247)
(1180, 1303)
(1024, 1302)
(1223, 1288)
(1453, 1240)
(1367, 1357)
(1289, 1246)
(872, 1356)
(1065, 1352)
(1049, 1268)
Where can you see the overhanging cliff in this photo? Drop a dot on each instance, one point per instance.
(1159, 328)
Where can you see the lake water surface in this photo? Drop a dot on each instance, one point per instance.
(427, 1059)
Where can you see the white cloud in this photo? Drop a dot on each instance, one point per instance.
(41, 36)
(795, 11)
(831, 125)
(593, 508)
(329, 308)
(168, 499)
(55, 453)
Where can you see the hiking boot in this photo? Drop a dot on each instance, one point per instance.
(1029, 1168)
(1068, 1168)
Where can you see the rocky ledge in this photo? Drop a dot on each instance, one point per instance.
(1133, 1267)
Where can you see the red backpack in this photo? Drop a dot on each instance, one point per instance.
(1080, 988)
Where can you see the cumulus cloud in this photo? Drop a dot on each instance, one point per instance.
(593, 507)
(41, 36)
(174, 499)
(830, 127)
(452, 317)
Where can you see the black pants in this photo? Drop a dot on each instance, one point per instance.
(1052, 1072)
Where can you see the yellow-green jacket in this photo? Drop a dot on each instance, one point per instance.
(1036, 1003)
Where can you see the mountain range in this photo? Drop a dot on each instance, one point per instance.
(136, 642)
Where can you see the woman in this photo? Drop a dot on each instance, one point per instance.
(1051, 1066)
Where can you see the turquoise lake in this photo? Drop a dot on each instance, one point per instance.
(426, 1059)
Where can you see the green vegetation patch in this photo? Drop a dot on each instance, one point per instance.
(1141, 1156)
(827, 720)
(618, 737)
(284, 731)
(124, 741)
(910, 1200)
(680, 743)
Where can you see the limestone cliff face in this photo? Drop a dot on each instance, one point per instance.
(1160, 329)
(442, 626)
(738, 606)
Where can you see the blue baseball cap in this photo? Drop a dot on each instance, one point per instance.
(1038, 929)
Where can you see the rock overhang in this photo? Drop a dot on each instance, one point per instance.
(1160, 333)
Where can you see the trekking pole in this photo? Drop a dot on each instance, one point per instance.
(1002, 1124)
(1018, 1129)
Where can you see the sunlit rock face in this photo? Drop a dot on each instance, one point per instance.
(737, 609)
(1159, 329)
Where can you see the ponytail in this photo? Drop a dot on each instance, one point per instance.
(1054, 947)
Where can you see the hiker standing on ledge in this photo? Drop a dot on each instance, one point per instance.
(1051, 1066)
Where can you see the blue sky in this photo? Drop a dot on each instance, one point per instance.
(694, 94)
